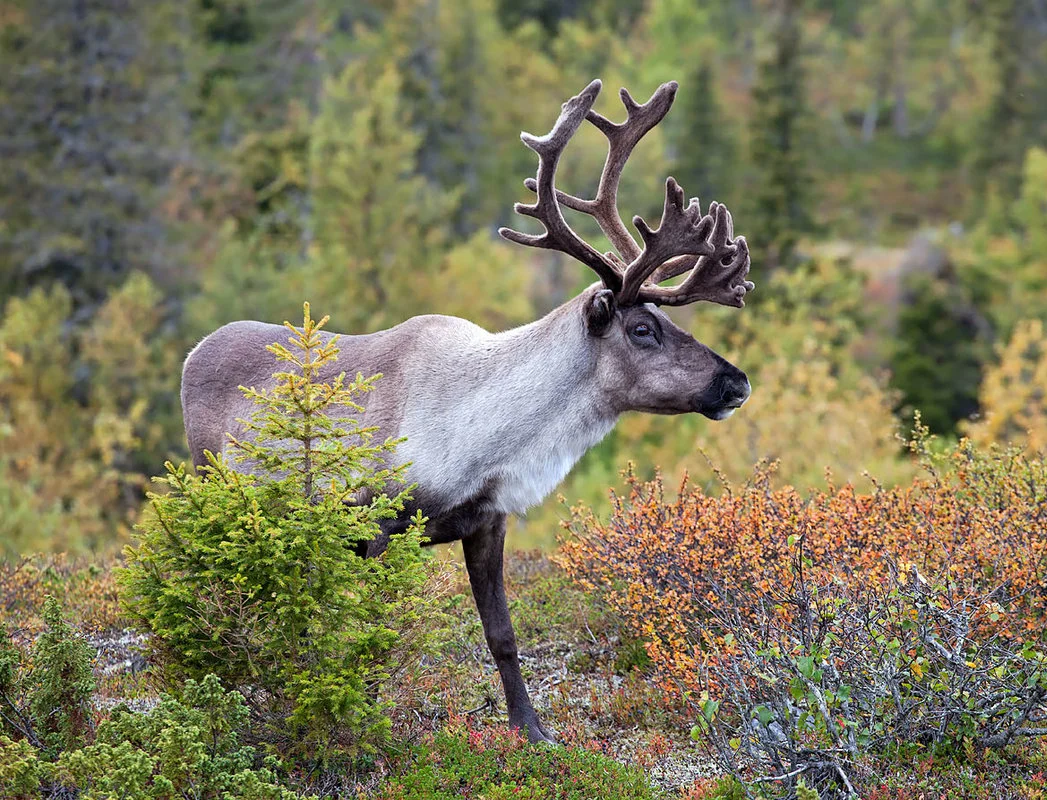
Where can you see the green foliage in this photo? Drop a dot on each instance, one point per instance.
(186, 747)
(14, 689)
(45, 694)
(1004, 131)
(805, 792)
(62, 684)
(460, 762)
(706, 154)
(21, 770)
(362, 162)
(243, 155)
(941, 355)
(179, 749)
(781, 195)
(83, 410)
(87, 165)
(260, 578)
(256, 62)
(938, 352)
(632, 654)
(1004, 263)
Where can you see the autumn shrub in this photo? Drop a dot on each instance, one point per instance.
(258, 578)
(83, 410)
(87, 589)
(716, 587)
(831, 672)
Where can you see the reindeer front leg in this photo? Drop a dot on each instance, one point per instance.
(483, 559)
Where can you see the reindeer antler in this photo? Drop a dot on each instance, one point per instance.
(621, 139)
(685, 241)
(558, 234)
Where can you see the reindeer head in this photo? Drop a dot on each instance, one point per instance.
(645, 361)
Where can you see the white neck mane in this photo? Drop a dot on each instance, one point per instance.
(513, 411)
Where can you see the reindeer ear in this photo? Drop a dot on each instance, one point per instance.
(599, 312)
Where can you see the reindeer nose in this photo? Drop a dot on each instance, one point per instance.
(736, 389)
(727, 391)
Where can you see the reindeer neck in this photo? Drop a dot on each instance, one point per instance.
(526, 407)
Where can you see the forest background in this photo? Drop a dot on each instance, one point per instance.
(169, 166)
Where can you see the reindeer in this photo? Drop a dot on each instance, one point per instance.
(494, 421)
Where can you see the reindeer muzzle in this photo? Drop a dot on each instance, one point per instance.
(726, 393)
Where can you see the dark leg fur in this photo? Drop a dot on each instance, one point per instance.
(483, 559)
(482, 534)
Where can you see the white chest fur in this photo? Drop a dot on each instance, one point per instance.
(517, 416)
(528, 478)
(521, 458)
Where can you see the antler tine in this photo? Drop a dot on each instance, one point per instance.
(681, 264)
(718, 277)
(621, 139)
(683, 231)
(558, 234)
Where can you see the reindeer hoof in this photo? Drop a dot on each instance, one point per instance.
(535, 731)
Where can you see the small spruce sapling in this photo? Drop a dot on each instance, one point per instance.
(61, 683)
(254, 574)
(45, 695)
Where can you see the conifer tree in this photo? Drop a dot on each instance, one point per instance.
(704, 160)
(62, 682)
(468, 88)
(936, 355)
(377, 224)
(1001, 142)
(262, 60)
(259, 578)
(781, 189)
(91, 112)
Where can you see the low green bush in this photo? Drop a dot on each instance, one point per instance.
(182, 748)
(45, 695)
(49, 746)
(499, 765)
(257, 579)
